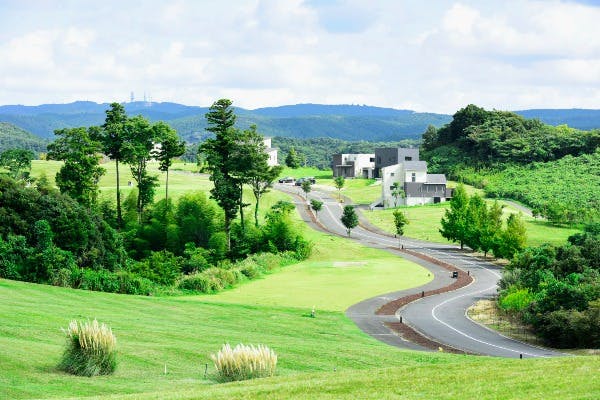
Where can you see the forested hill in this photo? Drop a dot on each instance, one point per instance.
(347, 122)
(13, 137)
(553, 169)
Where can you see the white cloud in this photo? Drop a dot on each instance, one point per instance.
(409, 54)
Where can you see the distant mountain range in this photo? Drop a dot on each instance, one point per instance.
(347, 122)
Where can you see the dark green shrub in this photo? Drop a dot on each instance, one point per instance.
(571, 328)
(198, 282)
(130, 283)
(14, 254)
(90, 350)
(195, 259)
(161, 267)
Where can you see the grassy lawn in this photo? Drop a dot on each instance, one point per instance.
(338, 274)
(425, 224)
(182, 178)
(182, 332)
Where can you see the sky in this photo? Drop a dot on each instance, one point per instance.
(428, 56)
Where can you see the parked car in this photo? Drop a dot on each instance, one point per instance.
(308, 178)
(287, 179)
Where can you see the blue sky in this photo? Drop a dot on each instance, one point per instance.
(436, 55)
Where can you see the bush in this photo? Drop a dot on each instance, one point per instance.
(516, 299)
(244, 362)
(571, 328)
(198, 282)
(90, 349)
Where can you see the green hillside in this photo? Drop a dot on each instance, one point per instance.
(13, 137)
(323, 357)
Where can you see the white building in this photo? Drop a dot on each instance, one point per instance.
(414, 186)
(272, 152)
(353, 165)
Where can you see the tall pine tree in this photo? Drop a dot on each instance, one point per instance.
(219, 154)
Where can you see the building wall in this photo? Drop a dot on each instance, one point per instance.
(354, 165)
(386, 156)
(420, 176)
(272, 161)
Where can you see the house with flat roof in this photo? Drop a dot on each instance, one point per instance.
(405, 181)
(353, 165)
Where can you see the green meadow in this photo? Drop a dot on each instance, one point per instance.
(164, 343)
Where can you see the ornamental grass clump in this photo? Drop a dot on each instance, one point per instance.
(244, 362)
(91, 349)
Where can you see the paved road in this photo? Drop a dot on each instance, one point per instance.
(442, 317)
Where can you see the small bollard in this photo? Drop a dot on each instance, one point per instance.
(423, 293)
(400, 319)
(521, 356)
(468, 273)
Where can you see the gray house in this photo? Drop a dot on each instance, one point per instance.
(386, 156)
(404, 167)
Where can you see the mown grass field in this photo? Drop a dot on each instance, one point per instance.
(322, 357)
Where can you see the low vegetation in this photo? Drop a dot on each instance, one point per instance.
(244, 362)
(91, 349)
(556, 290)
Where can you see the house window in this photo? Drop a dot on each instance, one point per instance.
(372, 159)
(413, 177)
(407, 158)
(391, 174)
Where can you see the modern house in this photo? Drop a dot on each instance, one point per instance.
(353, 165)
(272, 152)
(387, 156)
(405, 181)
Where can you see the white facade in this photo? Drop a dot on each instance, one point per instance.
(272, 152)
(418, 187)
(354, 165)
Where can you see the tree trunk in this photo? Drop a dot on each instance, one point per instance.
(167, 187)
(256, 209)
(241, 202)
(227, 232)
(119, 215)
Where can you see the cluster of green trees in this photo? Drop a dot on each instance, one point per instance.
(470, 221)
(500, 151)
(490, 137)
(17, 162)
(13, 137)
(557, 290)
(71, 238)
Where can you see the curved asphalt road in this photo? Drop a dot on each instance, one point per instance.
(442, 317)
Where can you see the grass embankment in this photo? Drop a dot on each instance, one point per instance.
(183, 178)
(425, 224)
(182, 332)
(425, 220)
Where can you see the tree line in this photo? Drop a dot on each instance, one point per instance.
(71, 237)
(470, 221)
